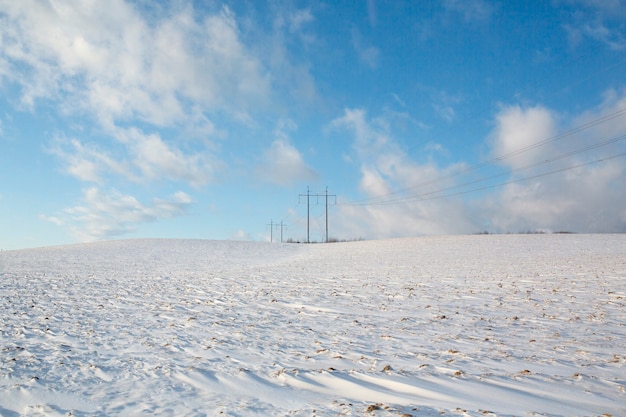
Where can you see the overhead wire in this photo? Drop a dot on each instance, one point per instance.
(497, 159)
(545, 174)
(491, 177)
(500, 158)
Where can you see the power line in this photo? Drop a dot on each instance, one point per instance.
(545, 174)
(432, 194)
(464, 171)
(308, 200)
(538, 82)
(500, 158)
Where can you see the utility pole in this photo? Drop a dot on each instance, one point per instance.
(271, 224)
(328, 195)
(308, 195)
(281, 231)
(308, 199)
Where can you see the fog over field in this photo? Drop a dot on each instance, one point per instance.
(481, 325)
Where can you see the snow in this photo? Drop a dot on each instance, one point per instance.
(485, 325)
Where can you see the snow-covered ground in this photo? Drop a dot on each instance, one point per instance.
(506, 325)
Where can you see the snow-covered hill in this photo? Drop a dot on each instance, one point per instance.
(467, 325)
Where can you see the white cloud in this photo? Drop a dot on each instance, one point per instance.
(518, 128)
(601, 32)
(372, 183)
(290, 77)
(108, 61)
(367, 54)
(444, 104)
(143, 71)
(583, 199)
(87, 162)
(293, 20)
(370, 137)
(139, 157)
(283, 165)
(446, 112)
(112, 62)
(51, 219)
(426, 218)
(435, 148)
(471, 10)
(157, 159)
(402, 197)
(608, 8)
(398, 100)
(120, 65)
(241, 235)
(600, 20)
(372, 15)
(385, 168)
(298, 19)
(106, 215)
(614, 101)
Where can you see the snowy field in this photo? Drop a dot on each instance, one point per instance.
(489, 325)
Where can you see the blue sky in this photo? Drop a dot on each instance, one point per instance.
(202, 119)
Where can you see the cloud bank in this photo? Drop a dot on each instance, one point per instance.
(109, 214)
(539, 179)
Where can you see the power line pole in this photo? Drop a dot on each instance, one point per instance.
(281, 231)
(272, 225)
(308, 217)
(328, 195)
(308, 195)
